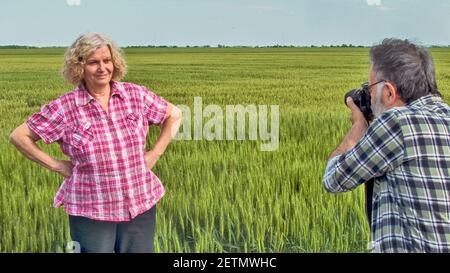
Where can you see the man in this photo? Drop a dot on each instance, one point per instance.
(406, 149)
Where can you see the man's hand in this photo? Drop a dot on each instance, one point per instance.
(359, 128)
(63, 167)
(357, 117)
(151, 158)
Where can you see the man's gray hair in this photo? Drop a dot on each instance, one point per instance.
(406, 65)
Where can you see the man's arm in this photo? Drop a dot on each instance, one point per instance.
(362, 156)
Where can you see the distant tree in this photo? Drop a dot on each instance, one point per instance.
(17, 47)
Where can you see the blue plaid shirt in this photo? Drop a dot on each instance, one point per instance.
(407, 151)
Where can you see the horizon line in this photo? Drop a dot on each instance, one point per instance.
(19, 46)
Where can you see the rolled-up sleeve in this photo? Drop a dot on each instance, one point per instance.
(329, 180)
(380, 150)
(155, 108)
(48, 124)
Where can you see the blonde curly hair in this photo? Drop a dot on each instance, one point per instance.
(77, 54)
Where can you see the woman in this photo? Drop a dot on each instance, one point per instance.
(109, 190)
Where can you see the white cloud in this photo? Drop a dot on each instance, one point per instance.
(374, 2)
(73, 2)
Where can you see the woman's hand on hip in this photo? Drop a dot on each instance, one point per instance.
(151, 158)
(64, 167)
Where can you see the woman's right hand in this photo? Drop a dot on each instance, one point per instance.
(64, 167)
(25, 141)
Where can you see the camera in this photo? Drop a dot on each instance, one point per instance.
(361, 97)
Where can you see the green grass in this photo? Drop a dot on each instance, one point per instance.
(221, 196)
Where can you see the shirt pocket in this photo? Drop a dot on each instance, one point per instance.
(135, 125)
(80, 137)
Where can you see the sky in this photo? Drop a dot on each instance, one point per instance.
(226, 22)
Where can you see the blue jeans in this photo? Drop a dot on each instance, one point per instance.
(94, 236)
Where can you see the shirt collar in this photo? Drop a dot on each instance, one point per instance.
(118, 89)
(424, 100)
(83, 97)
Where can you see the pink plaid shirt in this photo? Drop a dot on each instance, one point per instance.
(110, 180)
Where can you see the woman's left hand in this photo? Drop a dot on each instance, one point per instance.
(168, 131)
(150, 159)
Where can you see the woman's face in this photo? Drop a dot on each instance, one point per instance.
(99, 68)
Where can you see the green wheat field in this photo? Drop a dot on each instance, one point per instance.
(222, 195)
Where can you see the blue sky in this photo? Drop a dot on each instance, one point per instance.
(229, 22)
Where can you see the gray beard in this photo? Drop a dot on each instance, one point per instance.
(378, 108)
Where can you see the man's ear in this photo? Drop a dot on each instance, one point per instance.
(391, 96)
